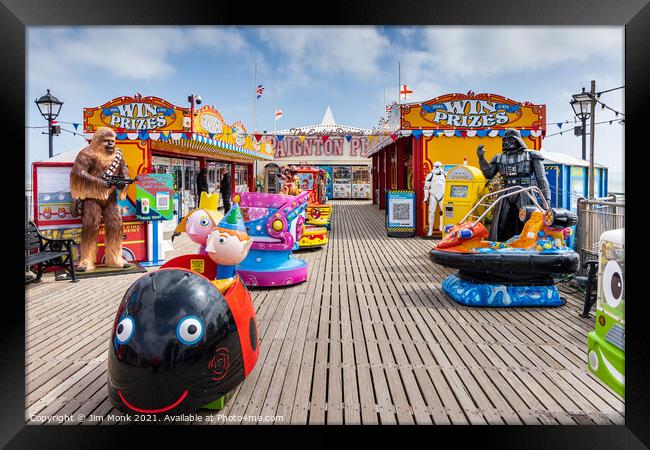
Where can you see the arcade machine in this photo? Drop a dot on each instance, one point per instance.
(465, 186)
(313, 180)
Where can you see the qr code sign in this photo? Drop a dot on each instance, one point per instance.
(162, 200)
(401, 211)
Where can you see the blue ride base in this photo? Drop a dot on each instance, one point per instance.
(472, 293)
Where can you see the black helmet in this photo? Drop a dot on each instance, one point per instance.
(512, 140)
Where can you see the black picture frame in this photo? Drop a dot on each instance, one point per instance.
(634, 15)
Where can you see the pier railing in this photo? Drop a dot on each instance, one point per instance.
(594, 218)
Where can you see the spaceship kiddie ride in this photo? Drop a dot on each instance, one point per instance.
(182, 339)
(518, 272)
(312, 180)
(275, 223)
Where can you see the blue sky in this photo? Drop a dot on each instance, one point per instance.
(306, 69)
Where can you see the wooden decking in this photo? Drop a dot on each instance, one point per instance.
(370, 338)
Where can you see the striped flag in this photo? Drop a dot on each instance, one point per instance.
(259, 90)
(278, 114)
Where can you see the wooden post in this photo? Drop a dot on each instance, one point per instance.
(401, 184)
(418, 183)
(381, 157)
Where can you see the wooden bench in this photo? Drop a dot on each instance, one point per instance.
(45, 253)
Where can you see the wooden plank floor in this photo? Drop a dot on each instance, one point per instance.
(370, 338)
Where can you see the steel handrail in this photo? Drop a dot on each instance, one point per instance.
(508, 192)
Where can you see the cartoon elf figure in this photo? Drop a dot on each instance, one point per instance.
(228, 244)
(200, 222)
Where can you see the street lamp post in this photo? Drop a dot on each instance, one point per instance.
(581, 105)
(49, 106)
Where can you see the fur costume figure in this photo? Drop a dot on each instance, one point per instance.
(99, 198)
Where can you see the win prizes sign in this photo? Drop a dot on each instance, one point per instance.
(153, 197)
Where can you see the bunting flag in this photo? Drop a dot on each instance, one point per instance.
(393, 137)
(259, 91)
(279, 137)
(278, 114)
(325, 138)
(301, 138)
(559, 124)
(257, 137)
(417, 134)
(75, 125)
(348, 137)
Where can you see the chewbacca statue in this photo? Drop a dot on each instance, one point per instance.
(101, 158)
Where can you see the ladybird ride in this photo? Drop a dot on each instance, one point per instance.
(518, 272)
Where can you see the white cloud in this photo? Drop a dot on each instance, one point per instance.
(351, 51)
(490, 50)
(139, 53)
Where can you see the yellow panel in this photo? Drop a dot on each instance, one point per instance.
(136, 158)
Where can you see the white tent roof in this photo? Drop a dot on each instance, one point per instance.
(327, 125)
(68, 156)
(561, 158)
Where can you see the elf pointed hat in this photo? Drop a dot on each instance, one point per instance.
(208, 203)
(233, 222)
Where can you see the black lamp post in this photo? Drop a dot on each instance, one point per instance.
(581, 105)
(49, 106)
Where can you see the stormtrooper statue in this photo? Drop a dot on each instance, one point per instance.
(434, 190)
(518, 166)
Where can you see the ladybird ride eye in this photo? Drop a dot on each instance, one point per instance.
(189, 330)
(124, 330)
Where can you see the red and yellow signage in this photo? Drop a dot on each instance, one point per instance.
(209, 121)
(137, 113)
(473, 111)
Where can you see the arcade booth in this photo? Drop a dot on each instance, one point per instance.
(447, 129)
(318, 212)
(156, 137)
(339, 150)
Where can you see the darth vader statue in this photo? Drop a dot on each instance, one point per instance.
(518, 166)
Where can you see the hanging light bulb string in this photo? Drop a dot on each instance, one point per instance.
(610, 121)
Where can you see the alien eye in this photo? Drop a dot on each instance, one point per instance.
(613, 284)
(189, 330)
(124, 330)
(204, 221)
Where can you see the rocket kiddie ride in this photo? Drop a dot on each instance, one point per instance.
(200, 222)
(274, 222)
(181, 340)
(606, 343)
(518, 272)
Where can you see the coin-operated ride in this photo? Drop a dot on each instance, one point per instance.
(518, 272)
(178, 342)
(275, 223)
(463, 189)
(199, 223)
(606, 344)
(312, 180)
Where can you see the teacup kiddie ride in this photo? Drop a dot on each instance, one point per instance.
(518, 272)
(181, 339)
(275, 224)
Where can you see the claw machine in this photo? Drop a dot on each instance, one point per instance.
(360, 182)
(342, 181)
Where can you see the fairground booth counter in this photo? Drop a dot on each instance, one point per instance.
(339, 150)
(448, 129)
(155, 137)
